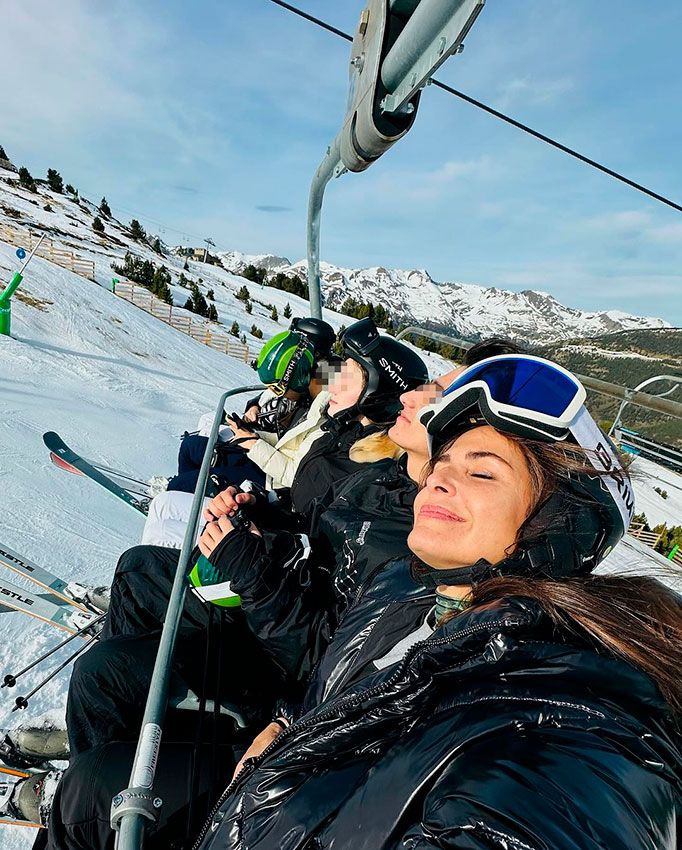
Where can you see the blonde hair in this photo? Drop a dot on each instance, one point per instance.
(374, 447)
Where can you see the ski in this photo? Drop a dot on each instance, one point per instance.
(66, 591)
(50, 609)
(60, 463)
(60, 450)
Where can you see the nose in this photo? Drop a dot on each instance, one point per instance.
(440, 482)
(407, 399)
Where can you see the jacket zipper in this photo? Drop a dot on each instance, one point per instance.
(349, 702)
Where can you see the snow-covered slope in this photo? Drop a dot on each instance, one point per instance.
(465, 309)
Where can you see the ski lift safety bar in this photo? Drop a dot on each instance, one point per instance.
(640, 399)
(132, 807)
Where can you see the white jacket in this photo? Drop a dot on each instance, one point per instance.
(279, 459)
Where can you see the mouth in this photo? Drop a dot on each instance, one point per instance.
(437, 512)
(404, 418)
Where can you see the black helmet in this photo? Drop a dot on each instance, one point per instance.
(391, 369)
(577, 526)
(320, 333)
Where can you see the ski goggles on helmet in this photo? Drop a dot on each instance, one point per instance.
(518, 393)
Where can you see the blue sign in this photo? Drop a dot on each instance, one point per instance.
(21, 253)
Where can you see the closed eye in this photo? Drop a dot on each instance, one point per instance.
(485, 475)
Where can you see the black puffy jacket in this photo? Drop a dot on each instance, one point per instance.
(327, 461)
(295, 588)
(495, 732)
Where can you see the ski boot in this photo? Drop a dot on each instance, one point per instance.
(27, 798)
(34, 746)
(95, 599)
(156, 484)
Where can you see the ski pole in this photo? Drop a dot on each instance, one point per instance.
(118, 474)
(22, 702)
(10, 680)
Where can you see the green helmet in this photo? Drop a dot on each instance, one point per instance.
(287, 352)
(211, 586)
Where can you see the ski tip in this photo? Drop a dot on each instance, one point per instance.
(60, 463)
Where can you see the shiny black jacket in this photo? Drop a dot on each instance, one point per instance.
(294, 588)
(495, 732)
(327, 461)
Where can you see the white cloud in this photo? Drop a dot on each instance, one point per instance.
(533, 91)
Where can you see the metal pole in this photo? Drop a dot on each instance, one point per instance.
(6, 295)
(429, 18)
(331, 166)
(138, 803)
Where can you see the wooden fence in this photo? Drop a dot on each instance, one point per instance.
(650, 538)
(201, 331)
(48, 250)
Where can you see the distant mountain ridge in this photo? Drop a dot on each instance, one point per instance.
(464, 309)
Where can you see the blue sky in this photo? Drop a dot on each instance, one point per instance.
(211, 118)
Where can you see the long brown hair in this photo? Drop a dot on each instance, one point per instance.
(634, 617)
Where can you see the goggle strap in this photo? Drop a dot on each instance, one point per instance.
(606, 462)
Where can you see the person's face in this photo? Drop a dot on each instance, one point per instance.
(407, 431)
(346, 387)
(474, 502)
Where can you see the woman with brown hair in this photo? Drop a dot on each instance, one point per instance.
(489, 692)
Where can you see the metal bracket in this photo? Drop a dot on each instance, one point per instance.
(135, 801)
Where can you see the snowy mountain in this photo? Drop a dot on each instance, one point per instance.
(412, 297)
(463, 309)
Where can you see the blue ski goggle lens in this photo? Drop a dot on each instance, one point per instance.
(523, 383)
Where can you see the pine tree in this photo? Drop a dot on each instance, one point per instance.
(47, 208)
(70, 190)
(243, 294)
(249, 307)
(137, 231)
(160, 285)
(337, 348)
(242, 339)
(197, 303)
(54, 181)
(25, 179)
(257, 332)
(146, 274)
(287, 311)
(186, 266)
(257, 275)
(157, 246)
(104, 208)
(274, 315)
(212, 313)
(234, 330)
(97, 225)
(210, 295)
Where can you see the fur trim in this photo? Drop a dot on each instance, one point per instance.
(373, 448)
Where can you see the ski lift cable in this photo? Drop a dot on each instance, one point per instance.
(506, 118)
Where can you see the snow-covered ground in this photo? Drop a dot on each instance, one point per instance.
(121, 387)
